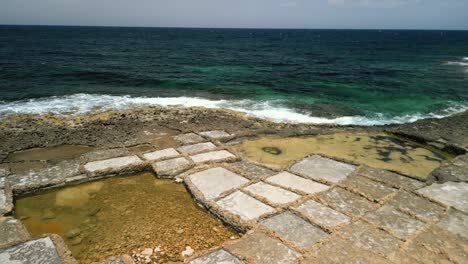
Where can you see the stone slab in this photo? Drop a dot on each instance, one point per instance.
(212, 182)
(372, 190)
(6, 201)
(43, 177)
(104, 154)
(400, 224)
(189, 138)
(215, 257)
(436, 245)
(215, 134)
(11, 231)
(346, 201)
(322, 215)
(161, 154)
(243, 205)
(391, 178)
(455, 170)
(294, 182)
(219, 155)
(263, 249)
(369, 237)
(199, 147)
(294, 228)
(450, 193)
(272, 193)
(323, 169)
(418, 206)
(253, 170)
(456, 223)
(340, 251)
(4, 171)
(38, 251)
(112, 165)
(171, 167)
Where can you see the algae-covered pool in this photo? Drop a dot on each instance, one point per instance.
(120, 215)
(376, 150)
(49, 153)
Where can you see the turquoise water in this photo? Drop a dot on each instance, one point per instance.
(334, 76)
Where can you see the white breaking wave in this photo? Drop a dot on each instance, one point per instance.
(85, 103)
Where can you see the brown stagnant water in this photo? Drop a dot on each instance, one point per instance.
(119, 215)
(49, 153)
(376, 150)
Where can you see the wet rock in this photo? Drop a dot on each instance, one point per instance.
(11, 231)
(6, 200)
(48, 214)
(455, 171)
(73, 233)
(40, 250)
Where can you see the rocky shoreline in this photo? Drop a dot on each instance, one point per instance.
(337, 203)
(125, 127)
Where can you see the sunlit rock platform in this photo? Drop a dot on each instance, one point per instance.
(316, 209)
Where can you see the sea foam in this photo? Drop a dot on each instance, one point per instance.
(272, 110)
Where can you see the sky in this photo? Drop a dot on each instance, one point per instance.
(349, 14)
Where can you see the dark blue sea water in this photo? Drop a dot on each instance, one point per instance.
(338, 76)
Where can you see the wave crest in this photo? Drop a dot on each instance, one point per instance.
(85, 103)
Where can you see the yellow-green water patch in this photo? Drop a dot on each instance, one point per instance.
(376, 150)
(120, 215)
(49, 153)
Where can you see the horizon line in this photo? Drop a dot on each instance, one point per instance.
(264, 28)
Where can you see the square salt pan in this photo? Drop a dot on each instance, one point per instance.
(189, 149)
(112, 164)
(212, 182)
(322, 215)
(161, 154)
(171, 167)
(246, 207)
(291, 181)
(215, 134)
(319, 168)
(212, 156)
(294, 228)
(272, 193)
(189, 138)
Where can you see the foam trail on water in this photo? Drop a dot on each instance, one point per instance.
(85, 103)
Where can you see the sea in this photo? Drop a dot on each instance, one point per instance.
(361, 77)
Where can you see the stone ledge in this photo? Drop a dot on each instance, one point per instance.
(114, 165)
